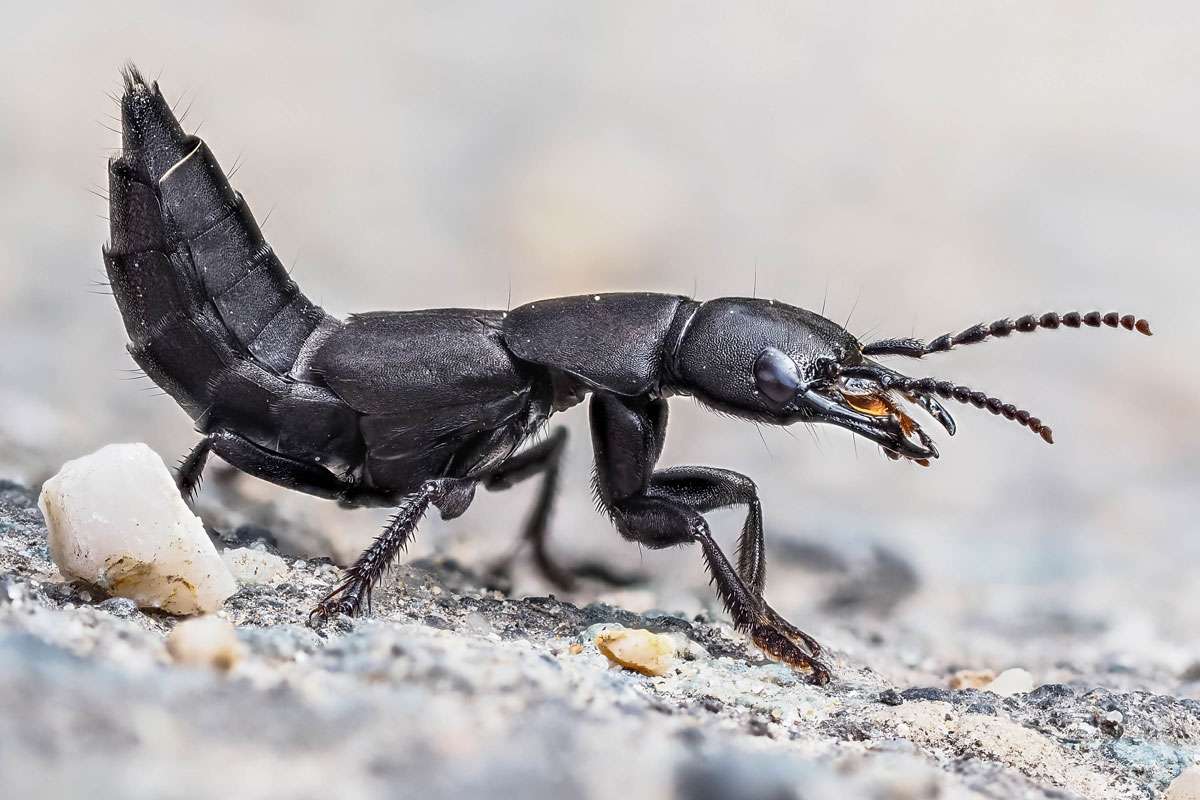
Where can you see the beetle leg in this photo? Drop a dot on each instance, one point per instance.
(450, 495)
(279, 469)
(187, 477)
(544, 459)
(664, 509)
(708, 488)
(658, 522)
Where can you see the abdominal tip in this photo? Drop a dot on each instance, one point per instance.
(1047, 435)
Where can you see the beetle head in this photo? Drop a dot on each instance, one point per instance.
(775, 363)
(779, 364)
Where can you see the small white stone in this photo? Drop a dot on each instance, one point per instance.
(251, 567)
(1010, 682)
(117, 521)
(1186, 785)
(638, 650)
(479, 623)
(207, 641)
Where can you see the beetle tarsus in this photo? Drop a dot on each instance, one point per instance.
(191, 469)
(798, 637)
(774, 643)
(772, 634)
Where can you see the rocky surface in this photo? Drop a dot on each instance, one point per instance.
(451, 688)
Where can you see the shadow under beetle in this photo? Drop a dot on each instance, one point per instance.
(418, 408)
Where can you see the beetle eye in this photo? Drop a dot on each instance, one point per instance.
(776, 376)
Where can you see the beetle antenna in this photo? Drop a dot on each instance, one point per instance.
(965, 394)
(916, 348)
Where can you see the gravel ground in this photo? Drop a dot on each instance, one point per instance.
(912, 170)
(454, 688)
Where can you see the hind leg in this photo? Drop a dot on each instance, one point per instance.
(187, 477)
(270, 466)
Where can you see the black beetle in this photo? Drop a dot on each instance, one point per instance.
(418, 408)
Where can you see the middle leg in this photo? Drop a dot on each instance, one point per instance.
(452, 496)
(544, 458)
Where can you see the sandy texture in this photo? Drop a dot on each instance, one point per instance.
(453, 688)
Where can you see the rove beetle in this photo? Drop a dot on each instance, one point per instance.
(410, 409)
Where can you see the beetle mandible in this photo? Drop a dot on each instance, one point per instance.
(413, 409)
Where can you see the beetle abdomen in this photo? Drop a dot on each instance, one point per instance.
(612, 342)
(198, 243)
(211, 314)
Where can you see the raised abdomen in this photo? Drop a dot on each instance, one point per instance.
(212, 316)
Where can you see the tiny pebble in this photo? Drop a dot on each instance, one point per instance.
(121, 607)
(13, 591)
(972, 678)
(252, 566)
(479, 623)
(638, 650)
(1010, 682)
(207, 641)
(116, 521)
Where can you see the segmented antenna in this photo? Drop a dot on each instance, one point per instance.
(965, 394)
(915, 348)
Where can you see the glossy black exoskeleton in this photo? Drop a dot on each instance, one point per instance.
(418, 408)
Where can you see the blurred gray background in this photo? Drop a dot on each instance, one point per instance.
(915, 167)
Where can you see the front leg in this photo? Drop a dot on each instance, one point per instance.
(663, 509)
(709, 488)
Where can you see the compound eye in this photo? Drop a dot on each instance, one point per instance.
(776, 376)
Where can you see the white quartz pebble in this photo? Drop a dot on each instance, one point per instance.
(117, 521)
(1010, 682)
